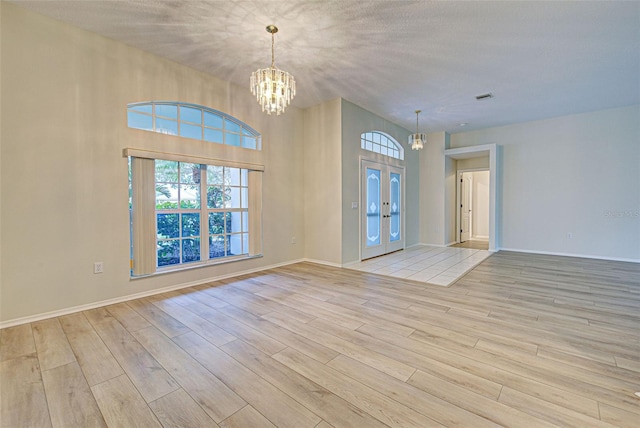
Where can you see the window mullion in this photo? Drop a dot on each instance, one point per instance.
(204, 215)
(180, 237)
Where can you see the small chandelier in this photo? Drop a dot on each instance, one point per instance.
(417, 140)
(274, 88)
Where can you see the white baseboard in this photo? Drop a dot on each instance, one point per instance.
(479, 238)
(74, 309)
(322, 262)
(583, 256)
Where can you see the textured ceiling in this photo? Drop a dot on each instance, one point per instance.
(539, 59)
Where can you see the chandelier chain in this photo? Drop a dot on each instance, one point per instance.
(273, 56)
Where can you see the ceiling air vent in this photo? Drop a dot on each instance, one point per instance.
(484, 96)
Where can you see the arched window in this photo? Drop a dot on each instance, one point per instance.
(192, 121)
(379, 142)
(186, 210)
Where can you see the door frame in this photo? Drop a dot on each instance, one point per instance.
(479, 151)
(459, 201)
(403, 190)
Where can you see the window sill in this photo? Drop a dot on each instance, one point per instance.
(198, 265)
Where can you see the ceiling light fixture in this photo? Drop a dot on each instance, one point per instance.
(417, 140)
(274, 88)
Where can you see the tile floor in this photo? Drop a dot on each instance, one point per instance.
(424, 263)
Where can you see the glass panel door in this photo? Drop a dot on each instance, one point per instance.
(381, 209)
(372, 207)
(395, 209)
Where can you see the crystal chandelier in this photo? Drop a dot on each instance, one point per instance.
(274, 88)
(417, 140)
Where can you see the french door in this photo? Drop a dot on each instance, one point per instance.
(382, 209)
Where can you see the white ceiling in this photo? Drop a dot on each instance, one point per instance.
(538, 59)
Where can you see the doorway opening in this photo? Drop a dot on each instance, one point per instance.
(473, 209)
(467, 153)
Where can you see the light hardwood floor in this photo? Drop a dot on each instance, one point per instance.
(522, 341)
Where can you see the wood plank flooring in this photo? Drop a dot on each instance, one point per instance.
(521, 341)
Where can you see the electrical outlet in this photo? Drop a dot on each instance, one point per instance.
(98, 267)
(293, 239)
(569, 235)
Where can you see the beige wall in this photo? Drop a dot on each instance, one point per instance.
(63, 177)
(480, 162)
(1, 77)
(433, 228)
(322, 182)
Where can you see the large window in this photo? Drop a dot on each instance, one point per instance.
(379, 142)
(187, 209)
(192, 121)
(187, 213)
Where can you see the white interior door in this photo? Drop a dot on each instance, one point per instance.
(466, 201)
(382, 209)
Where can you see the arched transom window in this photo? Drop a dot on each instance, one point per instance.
(379, 142)
(192, 121)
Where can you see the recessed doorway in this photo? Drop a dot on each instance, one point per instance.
(473, 209)
(490, 150)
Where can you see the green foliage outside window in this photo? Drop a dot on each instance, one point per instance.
(178, 189)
